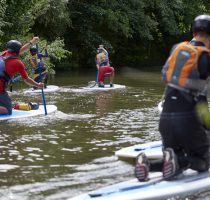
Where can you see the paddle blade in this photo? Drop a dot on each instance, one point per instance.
(92, 84)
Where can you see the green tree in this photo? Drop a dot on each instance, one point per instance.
(22, 20)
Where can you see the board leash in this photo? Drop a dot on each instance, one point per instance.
(92, 84)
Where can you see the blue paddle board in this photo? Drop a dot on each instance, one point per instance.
(17, 114)
(156, 188)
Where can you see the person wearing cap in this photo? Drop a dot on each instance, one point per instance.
(13, 66)
(183, 131)
(103, 66)
(37, 64)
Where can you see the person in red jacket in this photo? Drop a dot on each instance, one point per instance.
(14, 66)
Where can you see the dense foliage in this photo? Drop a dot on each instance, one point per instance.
(135, 32)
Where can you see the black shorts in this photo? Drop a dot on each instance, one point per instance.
(6, 102)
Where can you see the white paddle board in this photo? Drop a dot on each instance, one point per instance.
(153, 150)
(50, 88)
(160, 106)
(17, 114)
(157, 188)
(105, 88)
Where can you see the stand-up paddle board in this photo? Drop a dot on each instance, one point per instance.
(156, 188)
(48, 89)
(160, 106)
(153, 150)
(17, 114)
(105, 88)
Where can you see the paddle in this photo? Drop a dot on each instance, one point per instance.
(43, 97)
(92, 84)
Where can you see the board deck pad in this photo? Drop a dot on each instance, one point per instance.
(50, 88)
(17, 114)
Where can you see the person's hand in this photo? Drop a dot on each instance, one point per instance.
(40, 85)
(35, 40)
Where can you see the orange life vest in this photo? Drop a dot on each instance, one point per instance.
(102, 58)
(182, 63)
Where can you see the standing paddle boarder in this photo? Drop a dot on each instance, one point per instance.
(37, 63)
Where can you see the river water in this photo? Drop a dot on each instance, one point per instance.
(64, 154)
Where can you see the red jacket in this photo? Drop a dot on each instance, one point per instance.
(13, 66)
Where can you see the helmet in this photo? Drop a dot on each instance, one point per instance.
(14, 46)
(201, 24)
(33, 50)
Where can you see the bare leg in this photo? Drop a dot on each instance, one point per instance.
(111, 77)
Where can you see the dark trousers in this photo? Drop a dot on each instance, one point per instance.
(186, 135)
(6, 102)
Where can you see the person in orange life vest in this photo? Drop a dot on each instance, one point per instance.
(103, 66)
(183, 131)
(14, 66)
(36, 62)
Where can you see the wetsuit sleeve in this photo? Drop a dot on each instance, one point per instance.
(40, 56)
(43, 55)
(204, 65)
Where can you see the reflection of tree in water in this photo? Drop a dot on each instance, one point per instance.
(104, 102)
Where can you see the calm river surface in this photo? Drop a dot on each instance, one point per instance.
(61, 155)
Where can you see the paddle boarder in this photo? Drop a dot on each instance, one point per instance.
(103, 66)
(13, 66)
(37, 64)
(182, 125)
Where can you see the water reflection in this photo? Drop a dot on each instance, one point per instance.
(104, 102)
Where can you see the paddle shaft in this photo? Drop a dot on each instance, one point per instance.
(97, 76)
(40, 74)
